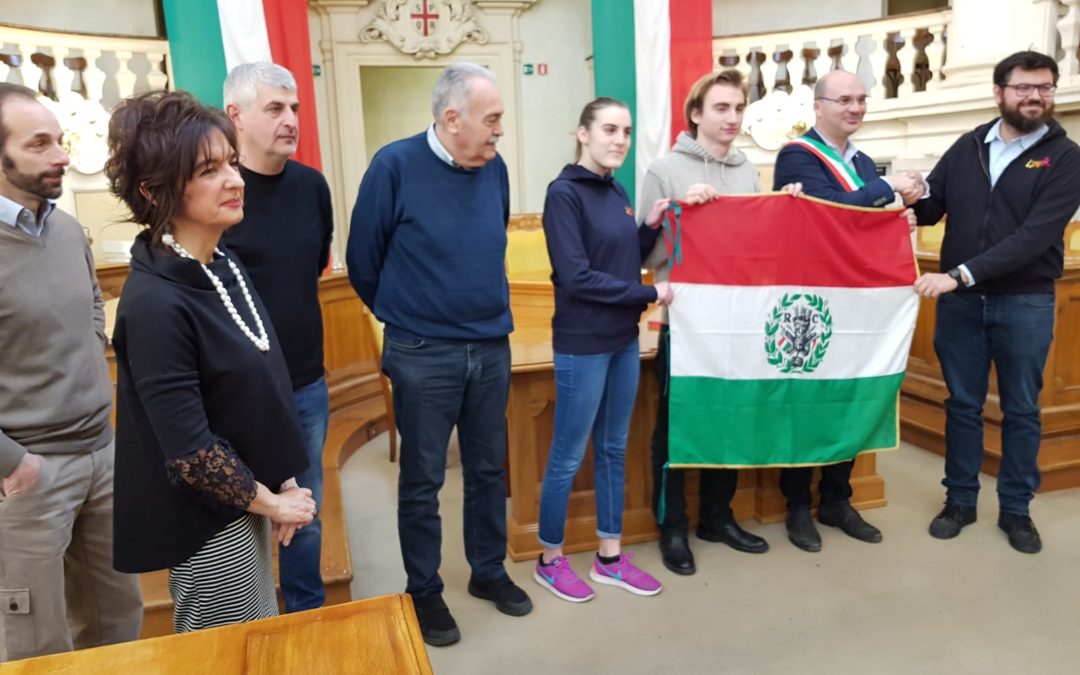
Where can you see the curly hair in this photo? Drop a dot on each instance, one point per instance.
(154, 145)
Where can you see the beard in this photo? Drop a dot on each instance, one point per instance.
(1023, 123)
(34, 184)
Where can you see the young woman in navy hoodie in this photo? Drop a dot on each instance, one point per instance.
(596, 251)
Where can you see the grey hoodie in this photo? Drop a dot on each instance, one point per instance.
(672, 175)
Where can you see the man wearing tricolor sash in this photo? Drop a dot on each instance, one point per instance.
(1009, 190)
(831, 168)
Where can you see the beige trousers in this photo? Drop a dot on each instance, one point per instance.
(58, 589)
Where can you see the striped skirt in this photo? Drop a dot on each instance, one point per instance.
(229, 580)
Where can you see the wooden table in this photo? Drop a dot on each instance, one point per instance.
(530, 421)
(377, 635)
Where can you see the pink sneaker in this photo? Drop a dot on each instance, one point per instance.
(561, 580)
(625, 574)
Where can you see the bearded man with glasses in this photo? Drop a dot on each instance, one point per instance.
(1009, 188)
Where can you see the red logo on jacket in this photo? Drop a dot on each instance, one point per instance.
(1037, 163)
(630, 211)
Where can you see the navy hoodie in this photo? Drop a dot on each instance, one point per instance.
(1009, 235)
(596, 251)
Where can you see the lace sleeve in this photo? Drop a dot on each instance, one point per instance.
(215, 475)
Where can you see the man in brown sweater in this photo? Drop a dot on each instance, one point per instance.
(57, 586)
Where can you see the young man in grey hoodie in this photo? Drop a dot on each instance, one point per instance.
(701, 166)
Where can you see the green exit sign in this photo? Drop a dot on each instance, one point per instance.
(527, 68)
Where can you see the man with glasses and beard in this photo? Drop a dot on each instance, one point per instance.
(58, 589)
(1008, 188)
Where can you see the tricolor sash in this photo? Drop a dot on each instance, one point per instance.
(839, 168)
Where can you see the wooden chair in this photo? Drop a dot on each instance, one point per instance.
(526, 248)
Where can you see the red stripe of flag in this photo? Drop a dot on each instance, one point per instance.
(777, 240)
(290, 46)
(690, 53)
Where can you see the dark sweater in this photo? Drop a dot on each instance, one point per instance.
(55, 394)
(796, 164)
(427, 245)
(284, 242)
(1010, 236)
(596, 251)
(187, 375)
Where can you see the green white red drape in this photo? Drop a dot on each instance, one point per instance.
(207, 38)
(648, 53)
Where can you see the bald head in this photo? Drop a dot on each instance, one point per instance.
(839, 105)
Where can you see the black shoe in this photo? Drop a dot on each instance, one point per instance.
(844, 516)
(508, 597)
(801, 530)
(734, 536)
(951, 520)
(675, 552)
(1022, 533)
(436, 625)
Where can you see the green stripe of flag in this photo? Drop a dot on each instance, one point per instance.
(195, 46)
(744, 422)
(614, 68)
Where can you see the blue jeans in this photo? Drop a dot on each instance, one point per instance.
(593, 393)
(1013, 332)
(300, 562)
(437, 387)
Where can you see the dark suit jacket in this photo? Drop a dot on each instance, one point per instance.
(797, 164)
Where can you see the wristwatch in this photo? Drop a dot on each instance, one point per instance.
(956, 274)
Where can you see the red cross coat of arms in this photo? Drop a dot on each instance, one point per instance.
(424, 16)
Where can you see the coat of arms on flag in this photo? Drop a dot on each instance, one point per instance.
(790, 331)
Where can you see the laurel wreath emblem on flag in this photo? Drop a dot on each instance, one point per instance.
(797, 333)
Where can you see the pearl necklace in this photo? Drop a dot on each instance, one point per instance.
(262, 340)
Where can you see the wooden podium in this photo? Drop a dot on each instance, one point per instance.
(530, 420)
(377, 635)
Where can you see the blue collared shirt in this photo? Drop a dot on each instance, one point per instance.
(1003, 152)
(14, 214)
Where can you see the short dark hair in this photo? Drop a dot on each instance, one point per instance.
(1027, 60)
(8, 90)
(695, 100)
(154, 144)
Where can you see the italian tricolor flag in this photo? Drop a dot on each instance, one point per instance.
(790, 331)
(649, 53)
(207, 38)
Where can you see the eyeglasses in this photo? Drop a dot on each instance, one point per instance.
(846, 101)
(1029, 89)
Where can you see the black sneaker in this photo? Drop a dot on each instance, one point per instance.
(508, 597)
(951, 520)
(1022, 533)
(436, 625)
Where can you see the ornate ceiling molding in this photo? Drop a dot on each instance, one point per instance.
(424, 28)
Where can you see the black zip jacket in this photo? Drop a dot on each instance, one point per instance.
(1010, 236)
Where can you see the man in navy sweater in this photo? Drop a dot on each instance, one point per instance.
(426, 253)
(284, 242)
(1009, 188)
(832, 168)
